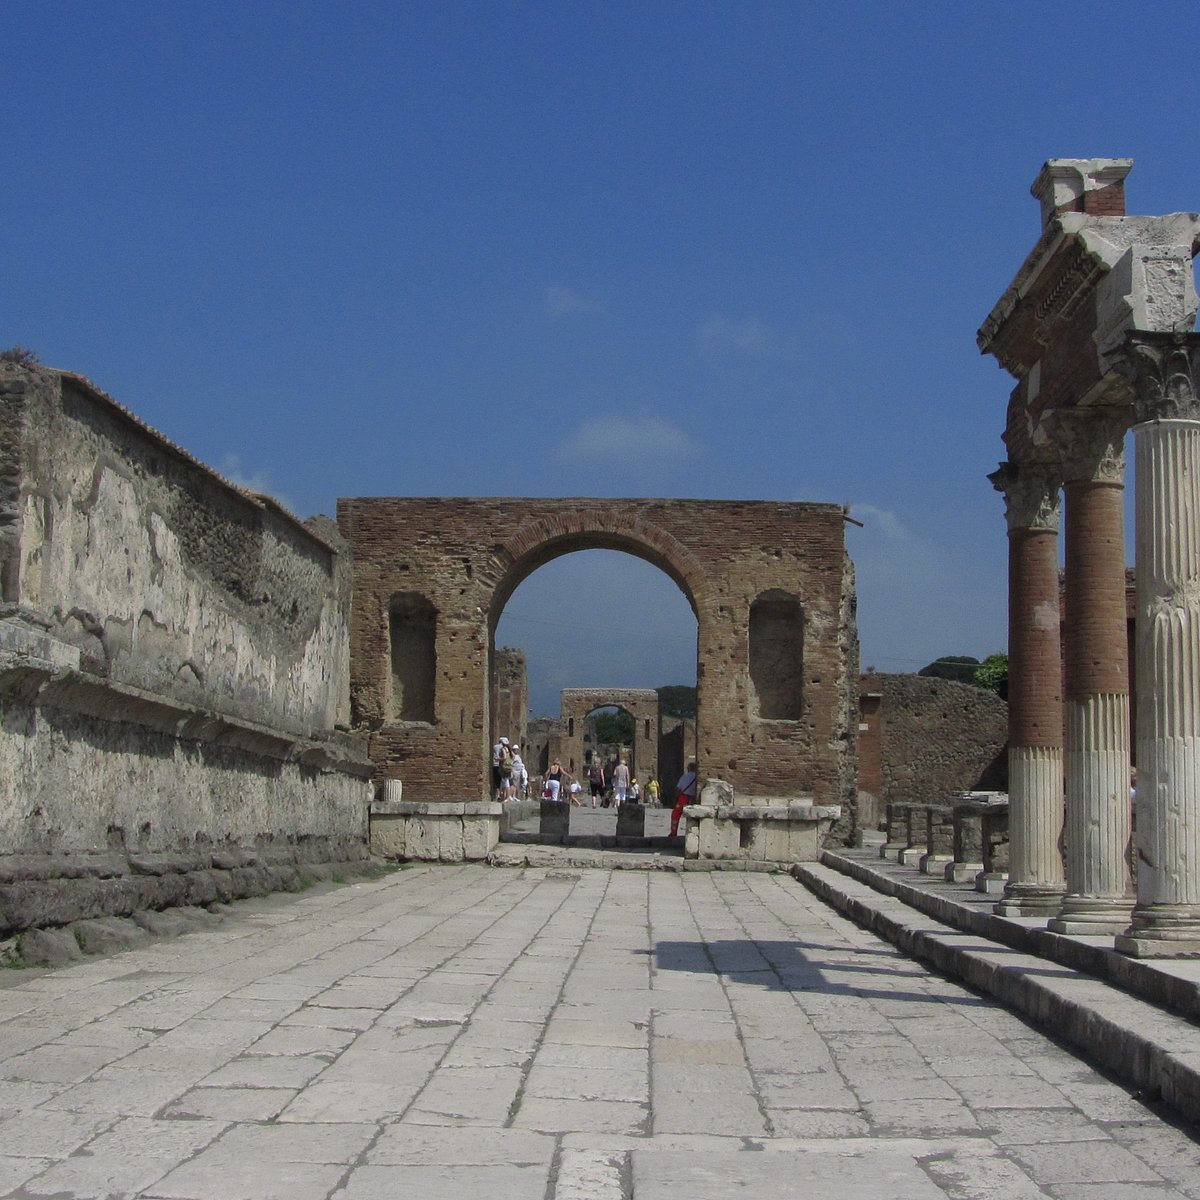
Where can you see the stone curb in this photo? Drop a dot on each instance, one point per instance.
(1155, 1051)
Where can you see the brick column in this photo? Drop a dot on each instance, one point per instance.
(1165, 370)
(1099, 894)
(1035, 725)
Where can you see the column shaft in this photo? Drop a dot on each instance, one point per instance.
(1166, 920)
(1099, 885)
(1035, 725)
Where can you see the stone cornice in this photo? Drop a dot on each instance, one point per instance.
(1064, 269)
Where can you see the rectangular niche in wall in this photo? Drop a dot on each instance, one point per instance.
(777, 655)
(412, 626)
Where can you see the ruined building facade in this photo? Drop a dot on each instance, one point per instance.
(1098, 330)
(771, 586)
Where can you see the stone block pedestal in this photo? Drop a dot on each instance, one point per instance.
(765, 833)
(454, 832)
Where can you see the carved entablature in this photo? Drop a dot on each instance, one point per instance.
(1164, 372)
(1032, 499)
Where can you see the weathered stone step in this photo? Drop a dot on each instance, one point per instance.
(1154, 1050)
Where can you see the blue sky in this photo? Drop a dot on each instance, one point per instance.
(698, 249)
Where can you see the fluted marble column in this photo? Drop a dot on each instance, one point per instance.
(1099, 894)
(1035, 724)
(1164, 369)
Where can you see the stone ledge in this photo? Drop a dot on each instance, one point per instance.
(435, 808)
(41, 682)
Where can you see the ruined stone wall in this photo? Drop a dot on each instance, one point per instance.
(174, 664)
(465, 557)
(937, 737)
(510, 697)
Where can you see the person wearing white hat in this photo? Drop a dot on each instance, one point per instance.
(501, 757)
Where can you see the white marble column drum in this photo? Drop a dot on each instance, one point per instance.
(1166, 921)
(1035, 882)
(1099, 896)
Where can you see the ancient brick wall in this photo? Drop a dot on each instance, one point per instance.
(937, 737)
(577, 741)
(466, 557)
(510, 697)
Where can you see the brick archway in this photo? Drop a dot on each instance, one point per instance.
(640, 703)
(467, 556)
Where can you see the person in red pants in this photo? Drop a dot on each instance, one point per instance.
(685, 792)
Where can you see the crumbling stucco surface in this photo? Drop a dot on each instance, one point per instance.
(174, 666)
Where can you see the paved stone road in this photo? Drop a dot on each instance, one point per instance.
(550, 1035)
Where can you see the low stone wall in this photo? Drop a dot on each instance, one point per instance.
(404, 829)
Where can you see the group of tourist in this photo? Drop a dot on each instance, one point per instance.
(510, 781)
(510, 777)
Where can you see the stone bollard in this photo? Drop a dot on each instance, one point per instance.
(555, 822)
(968, 843)
(897, 832)
(631, 821)
(939, 837)
(917, 847)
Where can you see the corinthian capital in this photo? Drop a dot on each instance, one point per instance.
(1163, 369)
(1092, 443)
(1031, 495)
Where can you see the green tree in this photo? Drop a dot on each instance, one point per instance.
(614, 728)
(959, 667)
(677, 700)
(992, 674)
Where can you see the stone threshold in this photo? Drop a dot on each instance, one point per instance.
(1151, 1046)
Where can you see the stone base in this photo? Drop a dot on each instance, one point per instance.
(991, 883)
(1162, 931)
(936, 864)
(1085, 916)
(911, 856)
(1029, 901)
(765, 833)
(890, 851)
(434, 832)
(962, 872)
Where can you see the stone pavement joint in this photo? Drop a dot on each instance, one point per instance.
(452, 1031)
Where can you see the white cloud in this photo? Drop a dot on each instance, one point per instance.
(231, 468)
(636, 441)
(721, 335)
(561, 301)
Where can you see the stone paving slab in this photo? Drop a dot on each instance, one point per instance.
(584, 1034)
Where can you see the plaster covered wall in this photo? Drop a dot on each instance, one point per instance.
(174, 666)
(162, 575)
